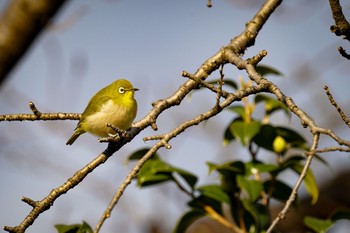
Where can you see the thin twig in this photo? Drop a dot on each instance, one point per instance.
(131, 175)
(228, 54)
(38, 116)
(300, 180)
(343, 52)
(334, 103)
(164, 140)
(211, 87)
(221, 83)
(181, 187)
(47, 202)
(334, 148)
(209, 4)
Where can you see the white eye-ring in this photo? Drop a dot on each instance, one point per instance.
(121, 90)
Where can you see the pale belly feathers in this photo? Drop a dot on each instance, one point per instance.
(117, 115)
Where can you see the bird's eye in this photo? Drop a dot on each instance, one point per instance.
(121, 90)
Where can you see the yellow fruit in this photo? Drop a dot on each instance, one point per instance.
(279, 145)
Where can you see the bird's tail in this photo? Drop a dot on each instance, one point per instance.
(74, 137)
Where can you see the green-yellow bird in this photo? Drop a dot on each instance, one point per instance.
(114, 104)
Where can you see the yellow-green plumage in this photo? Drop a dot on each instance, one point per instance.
(114, 104)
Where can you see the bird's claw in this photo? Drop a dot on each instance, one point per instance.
(119, 133)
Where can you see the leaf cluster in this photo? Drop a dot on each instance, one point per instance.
(246, 188)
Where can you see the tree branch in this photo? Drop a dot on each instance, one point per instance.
(334, 103)
(294, 192)
(20, 24)
(228, 54)
(342, 26)
(47, 202)
(164, 141)
(38, 116)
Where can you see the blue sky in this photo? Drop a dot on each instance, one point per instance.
(92, 43)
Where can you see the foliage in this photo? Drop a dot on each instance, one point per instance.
(322, 225)
(75, 228)
(246, 187)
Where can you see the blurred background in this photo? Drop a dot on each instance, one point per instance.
(89, 44)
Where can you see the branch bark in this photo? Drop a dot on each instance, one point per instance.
(342, 26)
(21, 22)
(228, 54)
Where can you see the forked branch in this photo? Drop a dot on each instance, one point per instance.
(229, 54)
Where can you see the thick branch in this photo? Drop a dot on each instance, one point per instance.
(228, 54)
(342, 26)
(20, 24)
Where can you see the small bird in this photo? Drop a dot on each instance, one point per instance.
(114, 104)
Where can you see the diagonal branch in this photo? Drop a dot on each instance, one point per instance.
(238, 45)
(228, 54)
(293, 195)
(341, 27)
(47, 202)
(20, 24)
(334, 103)
(165, 138)
(306, 121)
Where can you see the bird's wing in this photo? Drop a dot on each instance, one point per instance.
(94, 105)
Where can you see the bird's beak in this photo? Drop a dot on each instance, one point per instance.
(135, 89)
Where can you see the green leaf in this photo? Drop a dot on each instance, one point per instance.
(212, 166)
(75, 228)
(318, 225)
(201, 201)
(292, 137)
(215, 192)
(265, 136)
(268, 133)
(256, 166)
(140, 153)
(309, 181)
(280, 191)
(228, 172)
(293, 160)
(238, 109)
(322, 225)
(322, 160)
(190, 179)
(244, 131)
(260, 215)
(229, 168)
(340, 214)
(186, 220)
(264, 70)
(272, 105)
(156, 171)
(252, 187)
(228, 136)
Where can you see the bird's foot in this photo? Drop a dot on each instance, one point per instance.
(119, 133)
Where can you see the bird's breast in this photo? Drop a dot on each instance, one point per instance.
(118, 115)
